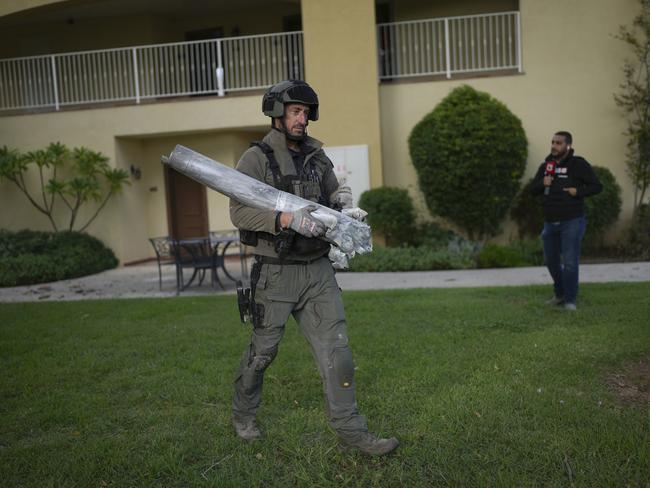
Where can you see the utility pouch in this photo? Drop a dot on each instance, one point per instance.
(248, 237)
(309, 246)
(244, 302)
(258, 317)
(248, 311)
(283, 243)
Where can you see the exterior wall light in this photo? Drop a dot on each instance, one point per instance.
(135, 172)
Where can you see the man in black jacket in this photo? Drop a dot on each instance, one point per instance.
(564, 180)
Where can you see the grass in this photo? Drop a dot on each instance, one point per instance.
(483, 387)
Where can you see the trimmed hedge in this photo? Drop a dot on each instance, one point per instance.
(523, 253)
(527, 213)
(457, 253)
(469, 153)
(412, 259)
(431, 234)
(29, 257)
(602, 210)
(390, 212)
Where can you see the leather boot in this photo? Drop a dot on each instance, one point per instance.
(369, 444)
(247, 429)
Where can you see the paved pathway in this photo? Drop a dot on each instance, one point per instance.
(142, 281)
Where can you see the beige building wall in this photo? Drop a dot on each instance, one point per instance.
(8, 7)
(135, 135)
(417, 9)
(341, 64)
(568, 81)
(22, 37)
(146, 205)
(82, 35)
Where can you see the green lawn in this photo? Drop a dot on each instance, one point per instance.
(483, 387)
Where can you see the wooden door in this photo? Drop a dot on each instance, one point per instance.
(187, 205)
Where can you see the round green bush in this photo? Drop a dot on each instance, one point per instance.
(527, 212)
(28, 257)
(469, 154)
(390, 212)
(601, 210)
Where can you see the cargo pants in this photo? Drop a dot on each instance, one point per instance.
(309, 292)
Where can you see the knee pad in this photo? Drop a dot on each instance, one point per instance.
(343, 366)
(261, 361)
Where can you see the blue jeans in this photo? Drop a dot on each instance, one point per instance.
(562, 255)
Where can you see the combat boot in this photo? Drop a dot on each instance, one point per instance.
(247, 429)
(369, 444)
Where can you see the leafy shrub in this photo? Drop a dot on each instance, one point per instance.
(494, 256)
(524, 253)
(390, 212)
(527, 212)
(92, 179)
(602, 210)
(469, 153)
(28, 257)
(431, 234)
(412, 259)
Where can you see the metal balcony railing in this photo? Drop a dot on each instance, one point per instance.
(215, 66)
(449, 45)
(443, 46)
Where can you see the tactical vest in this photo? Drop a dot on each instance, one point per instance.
(308, 184)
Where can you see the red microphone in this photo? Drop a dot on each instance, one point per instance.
(550, 171)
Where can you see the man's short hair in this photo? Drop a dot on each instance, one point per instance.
(567, 136)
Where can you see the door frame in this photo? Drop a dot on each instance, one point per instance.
(169, 194)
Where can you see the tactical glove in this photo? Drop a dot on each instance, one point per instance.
(356, 213)
(304, 223)
(342, 197)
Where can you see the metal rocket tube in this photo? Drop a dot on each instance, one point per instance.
(348, 234)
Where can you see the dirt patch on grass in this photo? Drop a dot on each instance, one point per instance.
(631, 384)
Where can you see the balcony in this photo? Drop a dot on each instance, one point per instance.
(449, 45)
(216, 66)
(441, 46)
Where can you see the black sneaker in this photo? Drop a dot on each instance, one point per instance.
(369, 444)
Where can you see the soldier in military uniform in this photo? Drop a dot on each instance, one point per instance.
(292, 273)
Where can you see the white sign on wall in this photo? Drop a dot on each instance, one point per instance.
(351, 166)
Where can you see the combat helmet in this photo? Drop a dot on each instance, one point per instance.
(289, 91)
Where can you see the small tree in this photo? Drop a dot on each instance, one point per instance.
(634, 99)
(469, 153)
(92, 179)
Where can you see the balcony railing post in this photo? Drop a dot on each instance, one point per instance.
(380, 68)
(136, 77)
(447, 56)
(518, 20)
(219, 73)
(56, 84)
